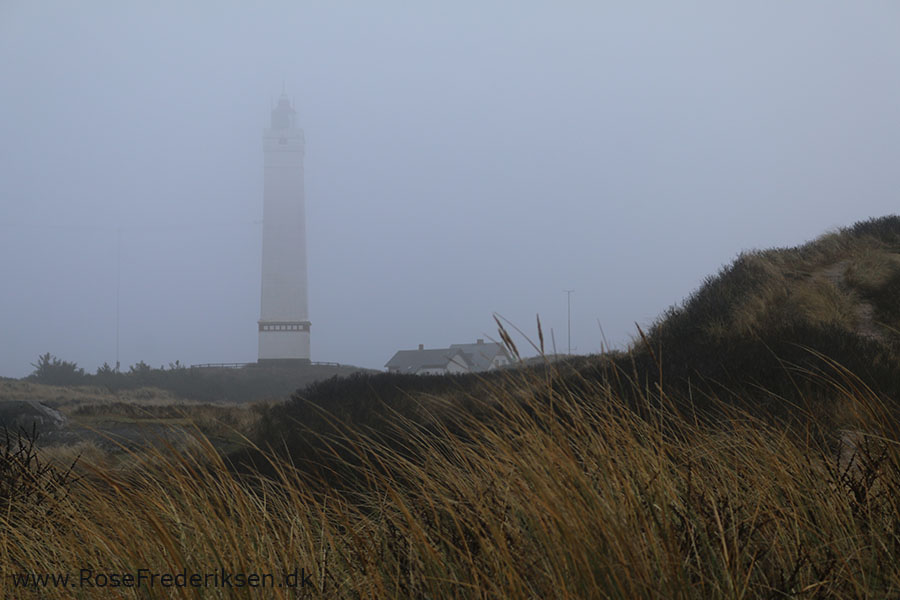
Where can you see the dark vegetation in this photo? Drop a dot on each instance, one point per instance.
(30, 487)
(762, 331)
(244, 384)
(313, 427)
(773, 333)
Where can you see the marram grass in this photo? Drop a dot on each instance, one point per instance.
(558, 494)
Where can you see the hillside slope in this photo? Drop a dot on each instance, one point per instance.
(848, 280)
(775, 314)
(770, 333)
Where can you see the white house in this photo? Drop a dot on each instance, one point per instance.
(484, 357)
(458, 358)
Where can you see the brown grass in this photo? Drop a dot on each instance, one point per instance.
(871, 269)
(69, 398)
(563, 495)
(823, 282)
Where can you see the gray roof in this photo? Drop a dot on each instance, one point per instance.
(480, 355)
(411, 361)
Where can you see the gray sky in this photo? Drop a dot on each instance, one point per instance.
(461, 158)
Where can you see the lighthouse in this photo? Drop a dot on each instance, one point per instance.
(284, 316)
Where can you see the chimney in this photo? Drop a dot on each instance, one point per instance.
(421, 346)
(479, 341)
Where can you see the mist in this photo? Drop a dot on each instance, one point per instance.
(461, 161)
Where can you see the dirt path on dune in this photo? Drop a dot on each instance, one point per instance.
(864, 311)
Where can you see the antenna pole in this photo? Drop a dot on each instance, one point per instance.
(569, 317)
(118, 287)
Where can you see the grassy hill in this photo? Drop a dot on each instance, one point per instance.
(772, 333)
(760, 331)
(108, 412)
(848, 280)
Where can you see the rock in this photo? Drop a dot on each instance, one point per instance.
(28, 414)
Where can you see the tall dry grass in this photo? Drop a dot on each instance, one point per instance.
(563, 491)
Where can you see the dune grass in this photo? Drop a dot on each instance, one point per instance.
(561, 490)
(822, 282)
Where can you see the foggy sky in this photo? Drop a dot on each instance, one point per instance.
(462, 158)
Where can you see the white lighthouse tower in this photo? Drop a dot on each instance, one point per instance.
(284, 317)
